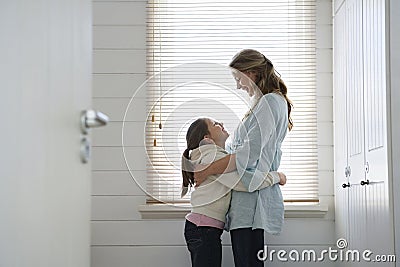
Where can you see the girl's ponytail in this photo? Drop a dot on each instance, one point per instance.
(196, 132)
(187, 169)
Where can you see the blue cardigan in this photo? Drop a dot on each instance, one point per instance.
(257, 144)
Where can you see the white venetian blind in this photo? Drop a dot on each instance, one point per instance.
(189, 45)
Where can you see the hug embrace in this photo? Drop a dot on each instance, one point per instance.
(236, 185)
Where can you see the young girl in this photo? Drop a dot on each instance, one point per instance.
(210, 201)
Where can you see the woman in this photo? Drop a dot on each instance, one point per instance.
(205, 140)
(256, 149)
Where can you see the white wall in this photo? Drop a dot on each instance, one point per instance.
(119, 236)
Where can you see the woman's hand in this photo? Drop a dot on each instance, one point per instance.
(200, 174)
(282, 178)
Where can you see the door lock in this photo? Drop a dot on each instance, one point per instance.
(89, 119)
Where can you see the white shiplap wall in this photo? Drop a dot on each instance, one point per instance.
(119, 236)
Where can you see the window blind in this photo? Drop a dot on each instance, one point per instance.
(189, 45)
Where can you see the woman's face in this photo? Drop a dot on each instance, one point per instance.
(217, 131)
(245, 81)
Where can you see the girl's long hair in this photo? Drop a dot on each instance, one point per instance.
(267, 79)
(196, 132)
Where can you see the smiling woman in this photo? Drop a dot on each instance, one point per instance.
(179, 32)
(245, 80)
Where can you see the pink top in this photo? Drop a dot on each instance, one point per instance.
(203, 220)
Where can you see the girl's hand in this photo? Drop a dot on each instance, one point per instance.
(282, 177)
(200, 174)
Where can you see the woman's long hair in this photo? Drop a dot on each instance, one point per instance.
(196, 132)
(267, 79)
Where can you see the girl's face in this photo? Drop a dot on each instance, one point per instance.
(217, 131)
(245, 81)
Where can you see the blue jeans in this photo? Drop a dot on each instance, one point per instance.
(245, 245)
(204, 244)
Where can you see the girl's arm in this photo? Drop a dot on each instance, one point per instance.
(224, 165)
(271, 178)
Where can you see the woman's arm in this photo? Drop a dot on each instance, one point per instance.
(224, 165)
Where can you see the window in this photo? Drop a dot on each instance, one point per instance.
(201, 37)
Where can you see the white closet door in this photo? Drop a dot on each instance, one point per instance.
(355, 125)
(378, 212)
(360, 93)
(340, 95)
(354, 89)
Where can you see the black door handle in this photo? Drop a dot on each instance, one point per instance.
(346, 185)
(365, 182)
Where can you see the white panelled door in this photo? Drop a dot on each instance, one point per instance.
(342, 183)
(355, 124)
(361, 93)
(45, 82)
(378, 210)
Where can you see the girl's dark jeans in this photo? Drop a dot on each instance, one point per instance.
(204, 244)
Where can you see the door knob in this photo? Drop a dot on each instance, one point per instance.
(346, 185)
(91, 118)
(364, 182)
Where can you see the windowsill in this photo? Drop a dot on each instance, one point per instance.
(178, 211)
